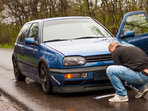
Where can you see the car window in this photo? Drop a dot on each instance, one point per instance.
(23, 32)
(33, 32)
(137, 23)
(73, 28)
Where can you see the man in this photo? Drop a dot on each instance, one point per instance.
(131, 66)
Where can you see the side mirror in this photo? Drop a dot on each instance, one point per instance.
(30, 41)
(129, 34)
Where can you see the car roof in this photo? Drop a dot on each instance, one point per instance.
(59, 18)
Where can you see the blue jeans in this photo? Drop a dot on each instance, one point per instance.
(117, 73)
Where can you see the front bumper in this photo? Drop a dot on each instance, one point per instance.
(74, 89)
(96, 80)
(77, 70)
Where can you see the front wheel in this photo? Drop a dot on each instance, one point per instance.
(45, 79)
(17, 72)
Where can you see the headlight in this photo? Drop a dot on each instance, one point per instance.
(74, 61)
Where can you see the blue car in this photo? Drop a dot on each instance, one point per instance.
(70, 54)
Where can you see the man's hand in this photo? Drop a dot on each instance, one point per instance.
(145, 70)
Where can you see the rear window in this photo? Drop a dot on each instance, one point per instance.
(22, 33)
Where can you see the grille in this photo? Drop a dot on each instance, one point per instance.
(96, 58)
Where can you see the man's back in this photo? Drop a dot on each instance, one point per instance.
(130, 56)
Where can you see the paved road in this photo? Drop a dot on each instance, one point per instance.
(30, 94)
(7, 105)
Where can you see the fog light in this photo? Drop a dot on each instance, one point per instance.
(79, 75)
(68, 76)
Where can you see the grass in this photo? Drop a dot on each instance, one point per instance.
(8, 46)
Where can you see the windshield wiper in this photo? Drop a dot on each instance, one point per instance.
(54, 40)
(89, 37)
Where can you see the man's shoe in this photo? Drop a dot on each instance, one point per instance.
(141, 92)
(118, 98)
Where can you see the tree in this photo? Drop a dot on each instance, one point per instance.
(14, 13)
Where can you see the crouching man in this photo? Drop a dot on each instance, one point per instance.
(131, 66)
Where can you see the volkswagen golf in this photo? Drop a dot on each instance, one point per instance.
(70, 54)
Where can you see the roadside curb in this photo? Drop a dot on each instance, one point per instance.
(23, 106)
(7, 49)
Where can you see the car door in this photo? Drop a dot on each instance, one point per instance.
(134, 29)
(30, 53)
(19, 45)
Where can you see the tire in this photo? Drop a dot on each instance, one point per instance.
(45, 79)
(17, 72)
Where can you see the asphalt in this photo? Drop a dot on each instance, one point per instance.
(30, 97)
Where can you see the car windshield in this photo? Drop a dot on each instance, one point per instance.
(67, 29)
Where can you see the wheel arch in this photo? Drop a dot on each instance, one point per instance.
(13, 57)
(44, 61)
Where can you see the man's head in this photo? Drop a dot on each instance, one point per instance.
(112, 46)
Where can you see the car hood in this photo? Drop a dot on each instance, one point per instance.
(83, 47)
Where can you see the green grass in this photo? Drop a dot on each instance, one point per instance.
(8, 46)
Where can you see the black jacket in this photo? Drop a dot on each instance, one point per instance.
(131, 57)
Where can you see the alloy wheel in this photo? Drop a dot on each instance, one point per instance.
(45, 80)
